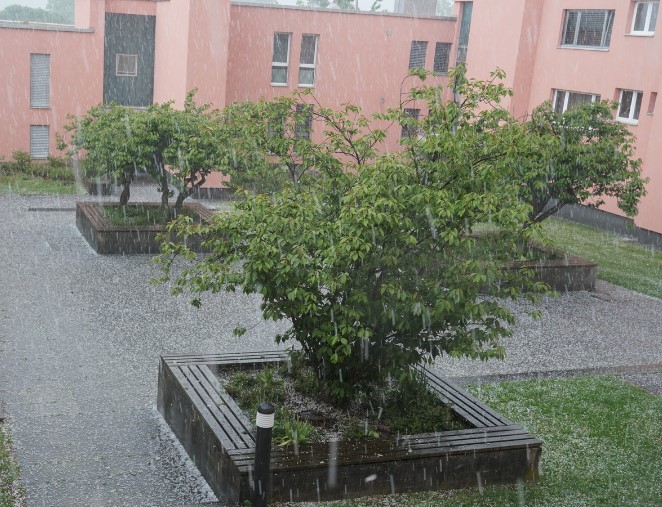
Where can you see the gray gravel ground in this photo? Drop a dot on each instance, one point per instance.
(81, 334)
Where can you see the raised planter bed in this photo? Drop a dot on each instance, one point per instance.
(220, 440)
(107, 238)
(566, 273)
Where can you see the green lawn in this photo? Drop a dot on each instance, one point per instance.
(619, 261)
(602, 447)
(9, 486)
(25, 184)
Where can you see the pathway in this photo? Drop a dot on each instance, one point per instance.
(81, 335)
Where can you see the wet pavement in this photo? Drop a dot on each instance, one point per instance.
(81, 335)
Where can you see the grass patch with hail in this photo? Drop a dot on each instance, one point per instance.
(11, 492)
(602, 447)
(619, 261)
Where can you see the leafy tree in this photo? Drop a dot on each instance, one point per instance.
(267, 144)
(582, 154)
(374, 267)
(56, 11)
(182, 145)
(63, 8)
(195, 148)
(111, 143)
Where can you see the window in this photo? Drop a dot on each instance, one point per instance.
(441, 55)
(644, 17)
(126, 65)
(308, 60)
(40, 80)
(39, 141)
(651, 103)
(587, 28)
(303, 121)
(564, 100)
(465, 26)
(281, 59)
(410, 129)
(630, 104)
(417, 54)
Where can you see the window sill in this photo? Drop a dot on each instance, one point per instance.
(640, 34)
(280, 85)
(585, 48)
(41, 108)
(627, 121)
(306, 86)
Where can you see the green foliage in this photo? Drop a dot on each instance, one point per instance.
(580, 155)
(57, 11)
(251, 389)
(11, 490)
(23, 171)
(372, 266)
(114, 141)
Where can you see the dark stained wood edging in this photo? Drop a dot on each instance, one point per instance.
(106, 238)
(220, 440)
(567, 273)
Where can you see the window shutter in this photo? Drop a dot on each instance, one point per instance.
(417, 54)
(39, 141)
(441, 56)
(40, 80)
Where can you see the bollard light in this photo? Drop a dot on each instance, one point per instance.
(264, 420)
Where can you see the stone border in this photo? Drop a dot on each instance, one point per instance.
(220, 440)
(106, 238)
(569, 273)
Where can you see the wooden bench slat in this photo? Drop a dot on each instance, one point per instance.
(223, 419)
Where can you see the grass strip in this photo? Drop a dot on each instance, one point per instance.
(11, 493)
(24, 184)
(602, 447)
(619, 261)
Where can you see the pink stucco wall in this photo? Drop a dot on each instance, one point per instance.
(523, 38)
(209, 22)
(361, 58)
(171, 51)
(76, 60)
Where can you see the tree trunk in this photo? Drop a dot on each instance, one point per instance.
(126, 193)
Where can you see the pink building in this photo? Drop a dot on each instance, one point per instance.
(140, 51)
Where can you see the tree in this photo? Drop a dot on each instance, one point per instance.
(110, 142)
(195, 148)
(578, 156)
(62, 8)
(375, 267)
(56, 11)
(182, 145)
(267, 144)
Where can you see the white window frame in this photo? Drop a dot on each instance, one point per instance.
(566, 98)
(308, 66)
(607, 27)
(281, 65)
(130, 73)
(649, 6)
(637, 96)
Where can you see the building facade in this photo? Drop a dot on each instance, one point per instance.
(136, 52)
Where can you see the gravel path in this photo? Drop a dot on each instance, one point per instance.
(81, 334)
